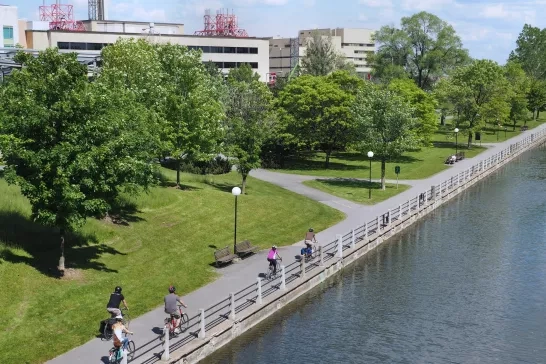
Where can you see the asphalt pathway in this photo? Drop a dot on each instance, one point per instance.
(239, 275)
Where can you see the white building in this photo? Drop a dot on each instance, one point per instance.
(354, 43)
(9, 23)
(226, 52)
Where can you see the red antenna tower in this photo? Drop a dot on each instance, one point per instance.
(60, 17)
(223, 24)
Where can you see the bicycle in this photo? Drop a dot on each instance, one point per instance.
(109, 322)
(116, 354)
(271, 269)
(184, 322)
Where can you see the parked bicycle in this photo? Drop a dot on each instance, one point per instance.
(183, 326)
(270, 272)
(116, 353)
(107, 330)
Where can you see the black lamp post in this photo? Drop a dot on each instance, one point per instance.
(456, 140)
(236, 191)
(370, 155)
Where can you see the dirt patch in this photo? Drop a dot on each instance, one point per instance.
(71, 274)
(114, 219)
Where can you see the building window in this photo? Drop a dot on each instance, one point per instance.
(193, 48)
(63, 45)
(242, 50)
(8, 33)
(230, 64)
(214, 49)
(205, 49)
(253, 50)
(94, 46)
(78, 46)
(230, 50)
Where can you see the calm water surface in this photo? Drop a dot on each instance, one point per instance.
(465, 285)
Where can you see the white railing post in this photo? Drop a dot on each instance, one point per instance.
(232, 306)
(283, 277)
(166, 353)
(202, 332)
(321, 255)
(124, 357)
(378, 224)
(353, 242)
(365, 230)
(339, 246)
(259, 299)
(399, 211)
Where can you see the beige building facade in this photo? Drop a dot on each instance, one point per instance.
(226, 52)
(355, 44)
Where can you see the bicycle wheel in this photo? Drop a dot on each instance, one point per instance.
(269, 273)
(107, 332)
(126, 319)
(131, 350)
(184, 322)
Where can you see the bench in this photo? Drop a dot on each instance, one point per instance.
(223, 256)
(449, 160)
(244, 248)
(459, 156)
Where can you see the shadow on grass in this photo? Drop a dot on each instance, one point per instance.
(42, 244)
(165, 181)
(451, 145)
(350, 183)
(124, 212)
(221, 186)
(307, 164)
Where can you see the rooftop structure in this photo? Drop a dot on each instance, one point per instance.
(223, 24)
(60, 17)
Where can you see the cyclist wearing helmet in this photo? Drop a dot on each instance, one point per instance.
(171, 308)
(119, 329)
(272, 257)
(310, 235)
(116, 299)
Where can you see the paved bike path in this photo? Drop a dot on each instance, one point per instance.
(239, 275)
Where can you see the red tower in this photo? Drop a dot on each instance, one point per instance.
(223, 24)
(60, 17)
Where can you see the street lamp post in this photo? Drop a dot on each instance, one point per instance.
(456, 140)
(236, 191)
(370, 155)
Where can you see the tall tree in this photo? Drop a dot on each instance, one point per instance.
(536, 98)
(321, 57)
(479, 92)
(425, 46)
(250, 119)
(521, 85)
(244, 73)
(424, 105)
(316, 110)
(530, 51)
(385, 125)
(69, 144)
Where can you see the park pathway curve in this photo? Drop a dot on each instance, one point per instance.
(233, 277)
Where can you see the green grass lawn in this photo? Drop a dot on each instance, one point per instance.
(169, 238)
(356, 190)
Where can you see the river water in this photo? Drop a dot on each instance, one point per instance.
(467, 284)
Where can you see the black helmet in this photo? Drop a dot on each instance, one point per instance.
(311, 230)
(172, 289)
(118, 289)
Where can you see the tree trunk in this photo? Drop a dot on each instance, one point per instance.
(443, 120)
(383, 169)
(538, 113)
(61, 259)
(245, 175)
(514, 126)
(469, 139)
(328, 154)
(535, 114)
(178, 173)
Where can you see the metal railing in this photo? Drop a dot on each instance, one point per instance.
(230, 307)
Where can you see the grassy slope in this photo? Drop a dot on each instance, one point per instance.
(169, 239)
(356, 190)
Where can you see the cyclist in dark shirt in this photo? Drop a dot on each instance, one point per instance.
(116, 299)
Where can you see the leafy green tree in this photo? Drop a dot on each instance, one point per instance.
(250, 119)
(243, 73)
(425, 46)
(385, 125)
(536, 98)
(321, 57)
(316, 111)
(521, 85)
(530, 51)
(71, 145)
(479, 92)
(424, 105)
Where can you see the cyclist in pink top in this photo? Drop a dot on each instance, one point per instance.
(272, 257)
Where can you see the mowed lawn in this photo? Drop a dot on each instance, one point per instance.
(169, 238)
(357, 190)
(414, 165)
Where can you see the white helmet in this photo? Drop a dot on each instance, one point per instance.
(274, 247)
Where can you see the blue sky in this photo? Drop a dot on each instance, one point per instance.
(489, 28)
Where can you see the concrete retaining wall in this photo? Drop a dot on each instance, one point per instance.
(331, 263)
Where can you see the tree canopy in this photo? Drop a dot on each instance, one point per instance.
(530, 51)
(426, 47)
(321, 57)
